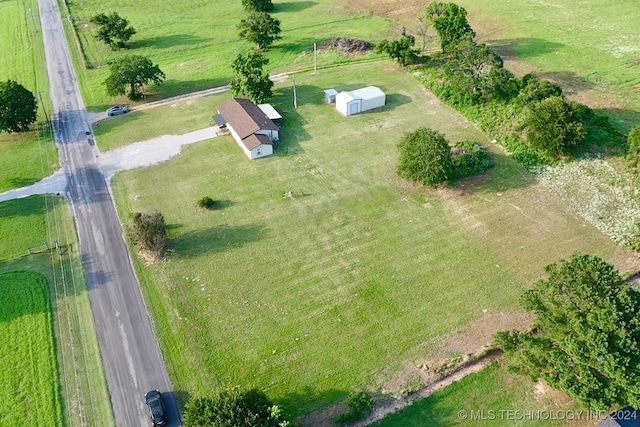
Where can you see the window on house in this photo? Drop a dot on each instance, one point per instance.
(259, 151)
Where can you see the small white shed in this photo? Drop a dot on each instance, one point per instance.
(330, 96)
(359, 100)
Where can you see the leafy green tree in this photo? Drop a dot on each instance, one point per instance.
(114, 30)
(450, 22)
(534, 90)
(234, 408)
(469, 158)
(553, 125)
(249, 77)
(400, 50)
(586, 336)
(475, 74)
(633, 139)
(260, 28)
(425, 156)
(132, 72)
(257, 5)
(148, 230)
(18, 107)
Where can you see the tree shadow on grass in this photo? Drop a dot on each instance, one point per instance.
(293, 6)
(213, 240)
(32, 205)
(506, 174)
(168, 41)
(524, 47)
(622, 120)
(301, 406)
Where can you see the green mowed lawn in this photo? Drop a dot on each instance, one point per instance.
(488, 398)
(194, 43)
(29, 392)
(47, 287)
(28, 156)
(311, 297)
(22, 226)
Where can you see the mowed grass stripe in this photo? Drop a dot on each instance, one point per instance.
(313, 296)
(29, 392)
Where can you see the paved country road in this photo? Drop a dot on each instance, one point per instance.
(131, 357)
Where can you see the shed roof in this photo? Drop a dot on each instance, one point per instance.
(368, 92)
(270, 111)
(245, 117)
(330, 92)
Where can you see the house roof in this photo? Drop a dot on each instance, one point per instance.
(245, 117)
(269, 111)
(256, 140)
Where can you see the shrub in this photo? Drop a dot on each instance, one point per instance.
(360, 404)
(553, 125)
(534, 90)
(206, 203)
(148, 230)
(469, 158)
(425, 156)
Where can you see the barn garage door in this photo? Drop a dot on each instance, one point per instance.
(354, 108)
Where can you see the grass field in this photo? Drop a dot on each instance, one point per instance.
(29, 391)
(82, 397)
(488, 398)
(194, 43)
(358, 275)
(29, 156)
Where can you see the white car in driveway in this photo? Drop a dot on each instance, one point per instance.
(117, 109)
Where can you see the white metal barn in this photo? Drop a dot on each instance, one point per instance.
(359, 100)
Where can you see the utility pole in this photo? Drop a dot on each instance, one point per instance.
(295, 98)
(315, 59)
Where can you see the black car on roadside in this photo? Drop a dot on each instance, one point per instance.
(153, 400)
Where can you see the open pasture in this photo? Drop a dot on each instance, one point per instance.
(194, 43)
(29, 392)
(359, 274)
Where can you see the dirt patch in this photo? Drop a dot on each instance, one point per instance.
(455, 347)
(346, 45)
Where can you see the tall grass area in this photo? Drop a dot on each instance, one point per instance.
(28, 156)
(487, 398)
(77, 379)
(311, 297)
(194, 43)
(29, 392)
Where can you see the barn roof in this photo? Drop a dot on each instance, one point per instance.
(368, 92)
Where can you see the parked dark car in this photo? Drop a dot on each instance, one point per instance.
(117, 109)
(153, 399)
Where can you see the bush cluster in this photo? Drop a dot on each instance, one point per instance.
(469, 158)
(360, 403)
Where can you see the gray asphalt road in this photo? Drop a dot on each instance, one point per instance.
(130, 354)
